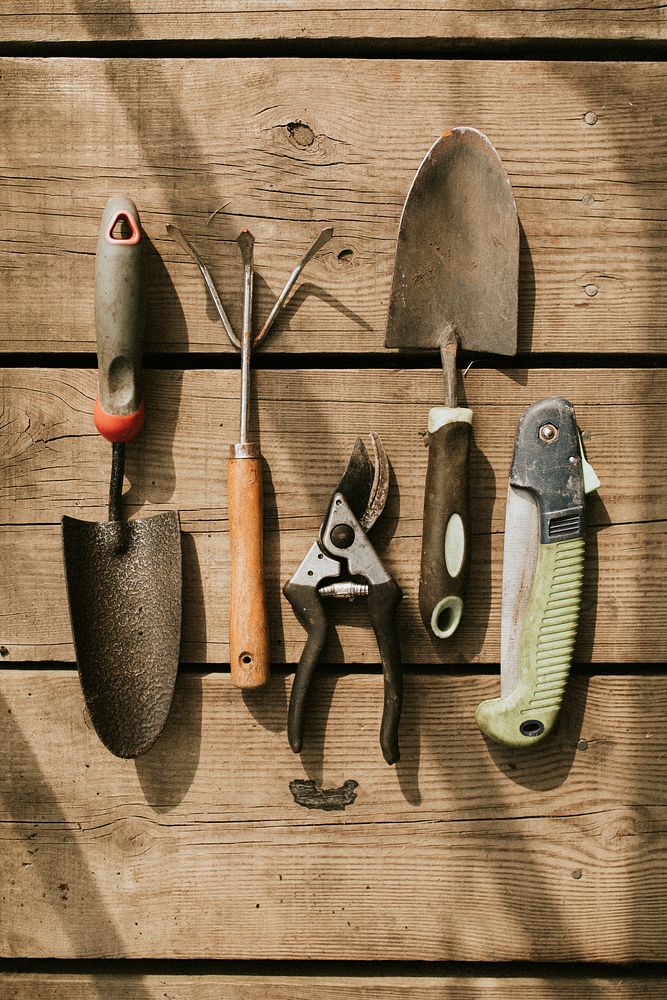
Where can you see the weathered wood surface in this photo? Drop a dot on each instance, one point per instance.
(230, 20)
(421, 986)
(460, 852)
(622, 620)
(56, 464)
(288, 146)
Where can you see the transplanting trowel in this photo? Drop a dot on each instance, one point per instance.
(123, 577)
(455, 283)
(543, 571)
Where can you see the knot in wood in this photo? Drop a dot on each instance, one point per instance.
(132, 837)
(622, 831)
(300, 135)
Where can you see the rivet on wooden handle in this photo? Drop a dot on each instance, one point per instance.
(248, 621)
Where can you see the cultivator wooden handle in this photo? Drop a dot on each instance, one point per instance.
(249, 655)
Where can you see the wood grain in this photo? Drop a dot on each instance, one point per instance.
(186, 986)
(55, 464)
(460, 852)
(622, 620)
(286, 147)
(230, 20)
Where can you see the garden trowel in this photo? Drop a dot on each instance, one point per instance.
(123, 577)
(543, 572)
(455, 284)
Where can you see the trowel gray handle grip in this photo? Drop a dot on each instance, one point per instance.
(119, 320)
(446, 529)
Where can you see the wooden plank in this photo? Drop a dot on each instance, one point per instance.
(622, 620)
(231, 20)
(56, 464)
(288, 146)
(460, 852)
(564, 986)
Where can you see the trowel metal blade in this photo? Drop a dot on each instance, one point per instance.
(124, 588)
(457, 259)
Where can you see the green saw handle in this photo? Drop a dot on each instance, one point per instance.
(528, 714)
(119, 321)
(446, 527)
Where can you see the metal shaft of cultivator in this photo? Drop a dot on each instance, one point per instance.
(246, 243)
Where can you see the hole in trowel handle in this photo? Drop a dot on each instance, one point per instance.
(446, 617)
(245, 659)
(121, 229)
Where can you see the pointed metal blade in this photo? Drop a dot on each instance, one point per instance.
(125, 608)
(357, 481)
(457, 259)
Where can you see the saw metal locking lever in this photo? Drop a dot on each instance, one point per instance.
(344, 564)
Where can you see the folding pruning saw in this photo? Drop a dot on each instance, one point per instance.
(543, 573)
(342, 563)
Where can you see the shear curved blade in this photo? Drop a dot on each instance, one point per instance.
(380, 487)
(365, 482)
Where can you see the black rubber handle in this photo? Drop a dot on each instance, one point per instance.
(446, 528)
(383, 599)
(119, 314)
(309, 609)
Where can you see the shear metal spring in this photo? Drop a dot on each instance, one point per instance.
(346, 589)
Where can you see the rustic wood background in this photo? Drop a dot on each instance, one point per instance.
(200, 870)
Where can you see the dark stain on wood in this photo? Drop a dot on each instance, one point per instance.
(307, 794)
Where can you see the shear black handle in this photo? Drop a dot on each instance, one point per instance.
(309, 610)
(446, 528)
(119, 321)
(383, 600)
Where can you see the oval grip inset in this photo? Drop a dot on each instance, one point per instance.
(455, 545)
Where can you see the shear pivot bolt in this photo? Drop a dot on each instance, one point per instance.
(548, 433)
(342, 536)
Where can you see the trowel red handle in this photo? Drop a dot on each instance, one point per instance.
(446, 528)
(249, 655)
(119, 321)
